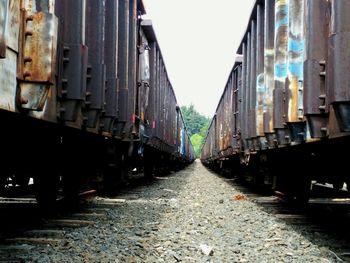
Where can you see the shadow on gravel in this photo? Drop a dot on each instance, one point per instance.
(323, 221)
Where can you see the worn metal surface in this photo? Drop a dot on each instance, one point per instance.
(339, 62)
(317, 17)
(269, 80)
(95, 36)
(246, 99)
(131, 128)
(111, 62)
(13, 25)
(242, 97)
(38, 51)
(8, 81)
(72, 57)
(123, 60)
(144, 76)
(4, 10)
(260, 84)
(37, 56)
(46, 6)
(296, 42)
(281, 60)
(252, 84)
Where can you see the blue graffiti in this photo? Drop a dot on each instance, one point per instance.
(296, 45)
(296, 69)
(280, 70)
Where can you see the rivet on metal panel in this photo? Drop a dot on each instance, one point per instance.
(28, 33)
(23, 100)
(29, 18)
(27, 59)
(26, 74)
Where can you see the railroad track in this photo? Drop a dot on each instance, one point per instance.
(324, 220)
(23, 225)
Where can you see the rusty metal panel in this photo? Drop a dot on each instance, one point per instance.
(269, 65)
(317, 16)
(339, 62)
(111, 62)
(95, 36)
(280, 72)
(8, 81)
(157, 112)
(47, 6)
(38, 52)
(37, 59)
(295, 60)
(281, 60)
(4, 12)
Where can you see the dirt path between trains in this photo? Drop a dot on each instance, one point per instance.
(189, 216)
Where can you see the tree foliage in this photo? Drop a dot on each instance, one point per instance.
(197, 126)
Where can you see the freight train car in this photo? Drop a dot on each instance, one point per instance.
(283, 119)
(84, 95)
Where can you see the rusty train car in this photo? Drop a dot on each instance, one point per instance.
(283, 119)
(84, 95)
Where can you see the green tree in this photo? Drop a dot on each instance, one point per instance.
(194, 121)
(196, 125)
(197, 141)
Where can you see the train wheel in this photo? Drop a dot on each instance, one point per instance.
(70, 185)
(338, 184)
(46, 190)
(302, 195)
(148, 171)
(22, 180)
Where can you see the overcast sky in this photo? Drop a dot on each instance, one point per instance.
(198, 40)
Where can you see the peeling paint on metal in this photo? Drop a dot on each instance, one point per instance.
(14, 19)
(259, 108)
(35, 93)
(296, 45)
(8, 81)
(3, 27)
(269, 54)
(281, 63)
(39, 47)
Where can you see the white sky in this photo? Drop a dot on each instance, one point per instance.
(198, 40)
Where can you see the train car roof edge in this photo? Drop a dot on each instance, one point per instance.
(253, 16)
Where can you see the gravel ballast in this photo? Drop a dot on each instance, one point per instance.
(189, 216)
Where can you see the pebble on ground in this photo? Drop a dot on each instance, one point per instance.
(190, 216)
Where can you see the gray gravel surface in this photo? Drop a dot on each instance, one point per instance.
(190, 216)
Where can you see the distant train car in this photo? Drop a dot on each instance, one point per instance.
(83, 91)
(283, 118)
